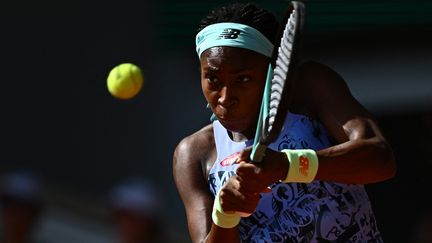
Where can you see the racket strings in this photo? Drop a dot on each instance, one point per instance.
(282, 67)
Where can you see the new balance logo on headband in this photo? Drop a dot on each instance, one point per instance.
(235, 35)
(229, 34)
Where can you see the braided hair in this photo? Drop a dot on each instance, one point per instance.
(244, 13)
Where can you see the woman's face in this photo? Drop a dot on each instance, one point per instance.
(232, 80)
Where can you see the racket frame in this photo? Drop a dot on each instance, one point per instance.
(262, 137)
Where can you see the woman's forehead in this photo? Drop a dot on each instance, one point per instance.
(224, 55)
(229, 51)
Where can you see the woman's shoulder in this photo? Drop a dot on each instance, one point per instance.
(196, 145)
(312, 68)
(316, 82)
(194, 153)
(321, 81)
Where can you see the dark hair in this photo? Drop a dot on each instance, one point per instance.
(244, 13)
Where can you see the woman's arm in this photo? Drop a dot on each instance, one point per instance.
(189, 175)
(362, 154)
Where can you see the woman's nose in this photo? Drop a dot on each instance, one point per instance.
(227, 97)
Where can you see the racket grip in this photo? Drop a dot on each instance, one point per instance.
(258, 152)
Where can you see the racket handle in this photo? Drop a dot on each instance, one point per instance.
(258, 152)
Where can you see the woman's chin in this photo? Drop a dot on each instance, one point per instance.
(234, 126)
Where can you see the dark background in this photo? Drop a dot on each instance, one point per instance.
(58, 120)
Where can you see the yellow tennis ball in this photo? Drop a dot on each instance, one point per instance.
(125, 81)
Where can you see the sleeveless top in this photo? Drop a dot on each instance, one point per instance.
(320, 211)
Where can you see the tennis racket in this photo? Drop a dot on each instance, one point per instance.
(274, 105)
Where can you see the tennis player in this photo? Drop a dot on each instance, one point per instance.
(310, 185)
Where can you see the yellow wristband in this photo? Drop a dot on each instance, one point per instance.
(303, 165)
(222, 219)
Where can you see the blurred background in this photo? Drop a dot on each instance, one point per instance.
(78, 165)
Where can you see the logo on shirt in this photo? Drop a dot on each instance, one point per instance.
(232, 159)
(229, 34)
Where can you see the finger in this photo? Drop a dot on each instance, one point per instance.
(251, 173)
(245, 154)
(237, 203)
(245, 169)
(244, 214)
(234, 197)
(251, 188)
(267, 190)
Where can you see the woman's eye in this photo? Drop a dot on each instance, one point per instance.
(211, 79)
(244, 79)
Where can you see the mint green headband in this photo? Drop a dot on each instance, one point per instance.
(234, 35)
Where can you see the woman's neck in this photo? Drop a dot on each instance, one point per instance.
(242, 136)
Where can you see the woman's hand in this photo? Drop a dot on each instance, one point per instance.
(241, 192)
(236, 196)
(260, 176)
